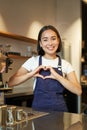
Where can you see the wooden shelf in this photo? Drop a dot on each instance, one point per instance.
(5, 89)
(17, 56)
(18, 37)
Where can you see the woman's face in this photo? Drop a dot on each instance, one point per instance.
(49, 42)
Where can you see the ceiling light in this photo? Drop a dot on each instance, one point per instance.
(85, 1)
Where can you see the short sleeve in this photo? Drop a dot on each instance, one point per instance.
(31, 63)
(67, 67)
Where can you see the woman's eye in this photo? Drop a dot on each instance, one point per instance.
(45, 40)
(53, 39)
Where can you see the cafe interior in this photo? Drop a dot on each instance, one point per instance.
(20, 22)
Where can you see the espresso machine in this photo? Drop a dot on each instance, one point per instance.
(5, 62)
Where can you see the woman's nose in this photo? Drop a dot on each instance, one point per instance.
(50, 42)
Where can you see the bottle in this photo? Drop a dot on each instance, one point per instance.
(6, 85)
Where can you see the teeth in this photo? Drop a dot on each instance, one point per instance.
(50, 48)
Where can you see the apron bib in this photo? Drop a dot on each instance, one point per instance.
(48, 93)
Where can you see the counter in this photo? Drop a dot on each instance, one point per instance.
(18, 98)
(16, 94)
(52, 121)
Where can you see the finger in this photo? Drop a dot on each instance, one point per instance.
(38, 75)
(47, 77)
(45, 68)
(42, 67)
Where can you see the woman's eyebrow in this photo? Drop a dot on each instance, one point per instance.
(47, 37)
(44, 37)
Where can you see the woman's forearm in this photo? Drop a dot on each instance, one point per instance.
(72, 86)
(18, 79)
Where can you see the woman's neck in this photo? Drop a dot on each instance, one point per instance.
(49, 56)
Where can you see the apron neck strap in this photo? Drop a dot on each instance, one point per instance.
(59, 63)
(40, 60)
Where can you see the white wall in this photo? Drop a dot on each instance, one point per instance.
(25, 17)
(69, 24)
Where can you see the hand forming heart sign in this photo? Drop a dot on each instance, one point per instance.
(45, 72)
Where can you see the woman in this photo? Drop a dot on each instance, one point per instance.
(52, 74)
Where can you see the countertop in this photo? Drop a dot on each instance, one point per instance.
(59, 121)
(17, 94)
(52, 121)
(8, 93)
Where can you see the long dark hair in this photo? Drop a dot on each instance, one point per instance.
(39, 48)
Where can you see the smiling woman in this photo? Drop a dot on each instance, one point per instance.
(53, 75)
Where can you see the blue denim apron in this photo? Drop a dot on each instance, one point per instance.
(48, 93)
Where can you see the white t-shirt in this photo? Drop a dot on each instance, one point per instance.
(33, 63)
